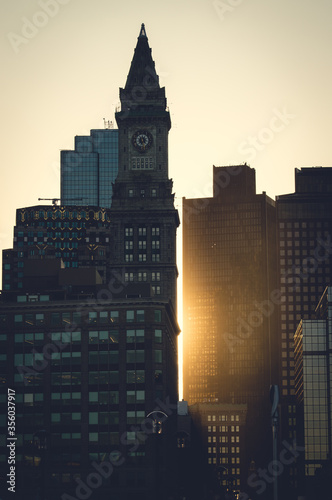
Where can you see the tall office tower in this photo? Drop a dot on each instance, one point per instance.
(93, 365)
(79, 235)
(87, 173)
(231, 300)
(313, 388)
(304, 233)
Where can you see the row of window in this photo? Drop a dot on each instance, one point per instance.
(142, 257)
(102, 337)
(73, 318)
(224, 449)
(224, 428)
(223, 418)
(141, 231)
(74, 378)
(224, 439)
(142, 245)
(155, 276)
(74, 358)
(142, 163)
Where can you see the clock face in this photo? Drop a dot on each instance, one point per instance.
(142, 140)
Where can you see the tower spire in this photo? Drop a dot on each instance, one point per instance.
(142, 89)
(142, 32)
(142, 69)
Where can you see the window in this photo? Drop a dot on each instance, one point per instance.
(114, 316)
(93, 418)
(140, 315)
(158, 336)
(103, 317)
(135, 417)
(135, 335)
(135, 376)
(92, 317)
(158, 356)
(39, 319)
(135, 356)
(157, 315)
(130, 316)
(135, 396)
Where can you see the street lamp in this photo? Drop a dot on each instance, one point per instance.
(157, 422)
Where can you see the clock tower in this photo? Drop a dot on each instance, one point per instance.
(143, 213)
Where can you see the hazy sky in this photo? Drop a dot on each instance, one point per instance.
(246, 80)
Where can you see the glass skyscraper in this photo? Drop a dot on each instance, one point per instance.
(87, 173)
(313, 362)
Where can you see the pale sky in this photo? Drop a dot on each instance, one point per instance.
(246, 80)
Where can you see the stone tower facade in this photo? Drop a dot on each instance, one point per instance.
(143, 213)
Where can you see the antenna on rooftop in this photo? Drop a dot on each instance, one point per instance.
(108, 124)
(55, 200)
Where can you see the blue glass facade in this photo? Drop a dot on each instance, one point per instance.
(87, 173)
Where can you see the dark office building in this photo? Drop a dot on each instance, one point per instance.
(231, 301)
(93, 362)
(88, 172)
(304, 237)
(79, 235)
(87, 372)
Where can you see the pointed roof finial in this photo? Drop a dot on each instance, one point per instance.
(142, 33)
